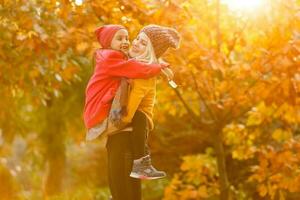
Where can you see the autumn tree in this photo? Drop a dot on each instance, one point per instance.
(46, 59)
(238, 77)
(229, 67)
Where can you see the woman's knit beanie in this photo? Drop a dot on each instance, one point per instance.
(162, 38)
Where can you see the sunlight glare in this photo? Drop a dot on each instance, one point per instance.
(78, 2)
(239, 5)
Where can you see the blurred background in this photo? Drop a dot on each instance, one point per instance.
(230, 130)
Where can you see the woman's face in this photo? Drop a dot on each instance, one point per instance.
(139, 45)
(120, 41)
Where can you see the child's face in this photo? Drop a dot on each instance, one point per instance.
(139, 45)
(120, 41)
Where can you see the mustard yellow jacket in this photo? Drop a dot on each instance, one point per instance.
(141, 97)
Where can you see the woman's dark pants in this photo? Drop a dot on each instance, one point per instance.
(122, 149)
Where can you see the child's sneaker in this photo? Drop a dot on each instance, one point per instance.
(143, 169)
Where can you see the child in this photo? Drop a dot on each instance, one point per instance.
(111, 64)
(149, 46)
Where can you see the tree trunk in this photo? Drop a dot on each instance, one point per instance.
(55, 156)
(221, 162)
(54, 176)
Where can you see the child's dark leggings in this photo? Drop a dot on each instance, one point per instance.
(139, 135)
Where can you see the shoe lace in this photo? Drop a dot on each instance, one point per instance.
(147, 161)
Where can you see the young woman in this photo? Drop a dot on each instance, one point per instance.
(127, 155)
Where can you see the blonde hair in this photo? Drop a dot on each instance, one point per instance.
(148, 56)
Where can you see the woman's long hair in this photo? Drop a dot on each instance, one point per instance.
(149, 55)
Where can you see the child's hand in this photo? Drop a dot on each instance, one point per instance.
(168, 73)
(116, 117)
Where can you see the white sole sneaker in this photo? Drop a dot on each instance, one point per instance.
(139, 176)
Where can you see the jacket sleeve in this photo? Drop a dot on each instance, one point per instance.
(118, 66)
(133, 69)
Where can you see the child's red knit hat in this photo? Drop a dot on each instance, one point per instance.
(106, 33)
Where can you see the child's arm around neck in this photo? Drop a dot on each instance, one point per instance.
(116, 63)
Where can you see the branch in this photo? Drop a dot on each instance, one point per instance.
(250, 107)
(213, 117)
(236, 38)
(199, 122)
(226, 116)
(189, 110)
(218, 35)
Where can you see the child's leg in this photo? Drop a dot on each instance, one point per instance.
(139, 134)
(142, 167)
(140, 120)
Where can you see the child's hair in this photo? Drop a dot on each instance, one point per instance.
(149, 55)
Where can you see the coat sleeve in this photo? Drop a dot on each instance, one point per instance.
(118, 66)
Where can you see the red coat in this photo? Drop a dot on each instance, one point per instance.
(110, 66)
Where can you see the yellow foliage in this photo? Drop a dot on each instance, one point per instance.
(197, 179)
(238, 63)
(262, 190)
(281, 135)
(272, 175)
